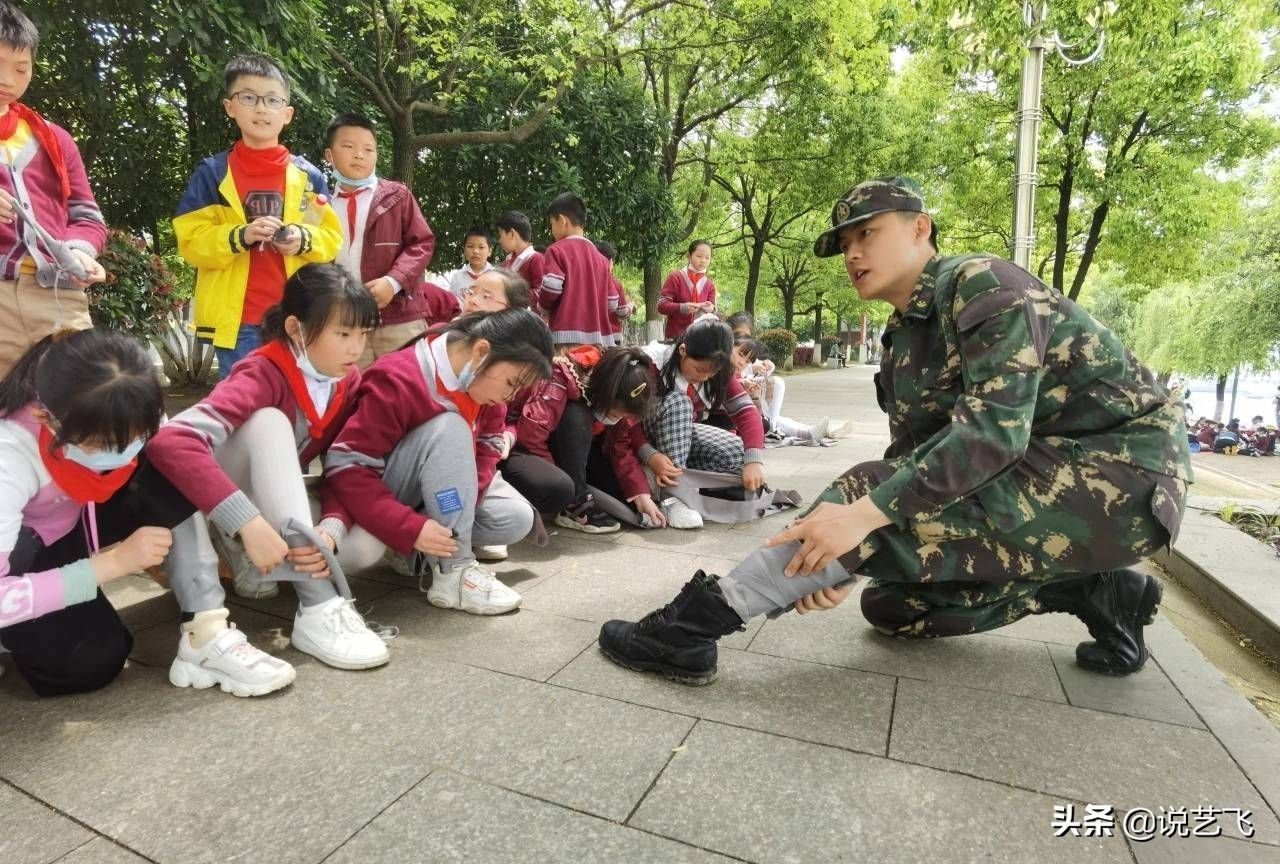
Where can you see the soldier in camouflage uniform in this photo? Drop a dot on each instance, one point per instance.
(1033, 460)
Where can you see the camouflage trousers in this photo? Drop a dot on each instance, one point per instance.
(1062, 513)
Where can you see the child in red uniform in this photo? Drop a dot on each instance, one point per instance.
(690, 292)
(578, 293)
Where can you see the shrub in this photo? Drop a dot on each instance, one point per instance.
(140, 291)
(781, 344)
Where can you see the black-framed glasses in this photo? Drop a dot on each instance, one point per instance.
(249, 99)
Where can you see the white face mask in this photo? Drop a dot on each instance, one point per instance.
(467, 376)
(605, 418)
(306, 367)
(104, 460)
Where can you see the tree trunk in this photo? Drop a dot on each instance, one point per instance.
(817, 333)
(404, 151)
(652, 290)
(1222, 399)
(753, 276)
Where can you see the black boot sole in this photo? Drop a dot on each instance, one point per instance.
(1144, 616)
(671, 673)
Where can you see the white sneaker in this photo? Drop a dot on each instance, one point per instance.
(681, 515)
(247, 582)
(471, 588)
(490, 553)
(335, 634)
(230, 662)
(843, 429)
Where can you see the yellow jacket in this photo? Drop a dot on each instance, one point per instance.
(207, 226)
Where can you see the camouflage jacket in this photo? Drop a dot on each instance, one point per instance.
(985, 358)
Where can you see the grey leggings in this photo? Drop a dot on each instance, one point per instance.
(433, 470)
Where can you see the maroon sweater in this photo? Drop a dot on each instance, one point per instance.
(579, 293)
(532, 266)
(398, 243)
(679, 288)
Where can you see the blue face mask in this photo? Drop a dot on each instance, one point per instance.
(104, 460)
(307, 368)
(467, 376)
(343, 180)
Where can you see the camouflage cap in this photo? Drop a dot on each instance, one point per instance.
(869, 198)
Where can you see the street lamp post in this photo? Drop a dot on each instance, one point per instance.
(1026, 174)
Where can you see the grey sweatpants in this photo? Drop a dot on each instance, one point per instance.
(261, 458)
(433, 470)
(758, 585)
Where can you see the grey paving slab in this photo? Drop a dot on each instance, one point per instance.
(289, 778)
(714, 540)
(769, 799)
(101, 851)
(141, 601)
(1148, 694)
(1072, 753)
(438, 821)
(839, 707)
(1198, 850)
(529, 643)
(31, 833)
(1057, 628)
(842, 637)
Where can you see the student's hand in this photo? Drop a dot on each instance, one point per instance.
(94, 272)
(686, 308)
(308, 559)
(264, 546)
(328, 541)
(646, 506)
(823, 599)
(753, 476)
(292, 242)
(382, 291)
(707, 307)
(261, 230)
(664, 470)
(144, 548)
(435, 539)
(752, 388)
(508, 441)
(8, 207)
(828, 532)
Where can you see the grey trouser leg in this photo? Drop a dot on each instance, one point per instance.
(192, 567)
(503, 517)
(758, 585)
(433, 470)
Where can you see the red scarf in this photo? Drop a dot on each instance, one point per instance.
(467, 407)
(44, 137)
(282, 356)
(80, 483)
(260, 162)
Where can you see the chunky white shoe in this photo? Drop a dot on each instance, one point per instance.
(471, 588)
(230, 662)
(490, 553)
(820, 431)
(681, 515)
(334, 633)
(247, 582)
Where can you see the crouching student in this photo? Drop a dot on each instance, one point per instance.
(575, 429)
(79, 508)
(239, 455)
(696, 381)
(416, 464)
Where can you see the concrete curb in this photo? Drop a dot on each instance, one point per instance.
(1235, 574)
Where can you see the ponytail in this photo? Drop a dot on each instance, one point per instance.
(624, 378)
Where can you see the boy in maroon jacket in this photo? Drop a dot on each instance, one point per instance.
(514, 236)
(579, 293)
(386, 241)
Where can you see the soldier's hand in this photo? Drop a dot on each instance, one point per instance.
(827, 532)
(823, 599)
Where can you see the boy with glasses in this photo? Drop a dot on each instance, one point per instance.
(251, 215)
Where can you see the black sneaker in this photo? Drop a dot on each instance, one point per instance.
(587, 518)
(677, 641)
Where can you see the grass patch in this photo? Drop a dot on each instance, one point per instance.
(1254, 521)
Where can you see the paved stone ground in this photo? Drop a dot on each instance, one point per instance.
(511, 739)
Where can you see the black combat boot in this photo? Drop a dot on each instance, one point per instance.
(677, 641)
(1115, 606)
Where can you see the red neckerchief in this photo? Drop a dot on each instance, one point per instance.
(260, 162)
(467, 407)
(695, 278)
(44, 137)
(80, 483)
(280, 354)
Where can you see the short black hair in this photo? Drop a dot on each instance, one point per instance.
(344, 120)
(742, 319)
(570, 206)
(477, 231)
(514, 220)
(693, 247)
(16, 29)
(259, 65)
(606, 249)
(314, 294)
